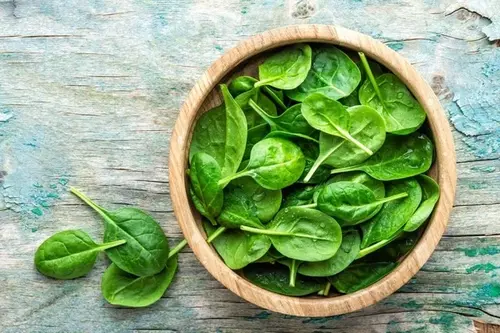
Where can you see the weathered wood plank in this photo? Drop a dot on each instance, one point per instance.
(89, 92)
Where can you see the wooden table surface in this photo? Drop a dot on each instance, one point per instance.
(89, 93)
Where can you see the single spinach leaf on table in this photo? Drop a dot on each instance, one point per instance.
(332, 74)
(236, 134)
(268, 107)
(289, 124)
(302, 234)
(430, 195)
(146, 250)
(242, 84)
(391, 98)
(345, 255)
(121, 288)
(360, 276)
(274, 164)
(393, 215)
(366, 126)
(238, 248)
(205, 174)
(351, 203)
(69, 254)
(276, 279)
(286, 69)
(400, 157)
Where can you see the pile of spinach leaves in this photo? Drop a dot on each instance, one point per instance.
(310, 177)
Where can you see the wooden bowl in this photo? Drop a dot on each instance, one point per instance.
(243, 59)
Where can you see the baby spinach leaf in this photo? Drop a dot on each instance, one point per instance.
(391, 98)
(121, 288)
(209, 134)
(332, 74)
(301, 196)
(330, 117)
(205, 174)
(276, 279)
(393, 215)
(274, 163)
(293, 266)
(320, 175)
(360, 276)
(345, 255)
(430, 195)
(245, 83)
(69, 254)
(392, 251)
(302, 234)
(267, 202)
(146, 249)
(373, 184)
(286, 69)
(400, 157)
(290, 124)
(238, 248)
(271, 256)
(238, 210)
(254, 135)
(367, 126)
(255, 95)
(236, 135)
(350, 202)
(353, 99)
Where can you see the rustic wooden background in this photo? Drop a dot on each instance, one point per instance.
(89, 93)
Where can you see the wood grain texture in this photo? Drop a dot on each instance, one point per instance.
(245, 56)
(89, 93)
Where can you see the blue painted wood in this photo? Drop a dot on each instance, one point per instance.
(89, 92)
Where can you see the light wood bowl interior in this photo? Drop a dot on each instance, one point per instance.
(243, 59)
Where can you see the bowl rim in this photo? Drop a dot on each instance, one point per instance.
(444, 169)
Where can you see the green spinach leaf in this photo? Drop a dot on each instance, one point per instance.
(238, 248)
(146, 250)
(276, 279)
(69, 254)
(301, 196)
(244, 83)
(360, 276)
(353, 99)
(430, 196)
(393, 215)
(393, 251)
(351, 203)
(274, 163)
(205, 174)
(286, 69)
(373, 184)
(367, 126)
(255, 95)
(400, 157)
(271, 256)
(302, 234)
(121, 288)
(345, 255)
(391, 98)
(332, 74)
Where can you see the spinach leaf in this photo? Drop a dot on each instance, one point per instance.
(276, 279)
(332, 74)
(330, 117)
(290, 124)
(393, 251)
(146, 249)
(400, 157)
(393, 215)
(238, 248)
(286, 69)
(367, 126)
(430, 195)
(391, 98)
(373, 184)
(301, 196)
(209, 135)
(254, 135)
(274, 163)
(236, 135)
(267, 202)
(121, 288)
(360, 276)
(255, 95)
(205, 174)
(244, 83)
(353, 99)
(320, 174)
(238, 210)
(302, 234)
(345, 255)
(271, 256)
(293, 266)
(380, 244)
(69, 254)
(351, 203)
